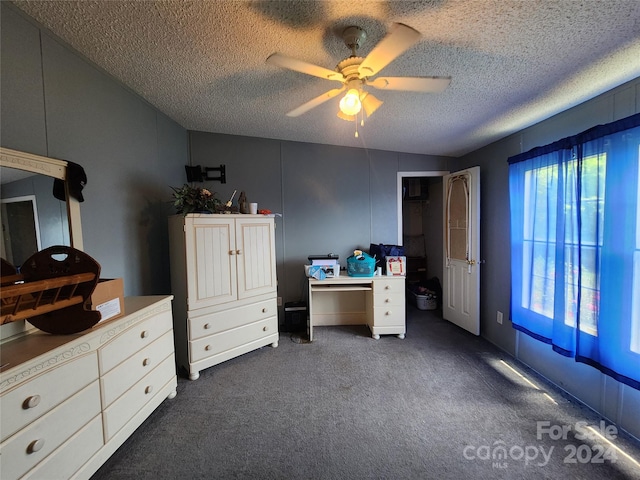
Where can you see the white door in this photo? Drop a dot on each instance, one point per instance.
(211, 260)
(256, 256)
(461, 234)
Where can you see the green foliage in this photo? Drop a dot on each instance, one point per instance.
(188, 199)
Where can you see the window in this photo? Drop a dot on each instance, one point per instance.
(575, 240)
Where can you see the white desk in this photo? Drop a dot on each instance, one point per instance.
(378, 302)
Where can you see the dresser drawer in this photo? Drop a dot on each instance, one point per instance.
(119, 379)
(388, 285)
(389, 315)
(72, 454)
(34, 443)
(37, 396)
(133, 339)
(235, 317)
(386, 299)
(124, 408)
(220, 342)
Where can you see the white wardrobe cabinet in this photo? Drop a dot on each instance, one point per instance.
(223, 277)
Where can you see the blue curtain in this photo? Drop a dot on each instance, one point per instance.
(575, 246)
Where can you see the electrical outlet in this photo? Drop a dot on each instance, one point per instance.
(499, 317)
(279, 301)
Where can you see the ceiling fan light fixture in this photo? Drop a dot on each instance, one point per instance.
(350, 104)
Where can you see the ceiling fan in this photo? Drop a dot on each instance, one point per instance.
(354, 73)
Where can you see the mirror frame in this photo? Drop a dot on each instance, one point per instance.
(52, 168)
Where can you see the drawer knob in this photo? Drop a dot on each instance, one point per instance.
(31, 402)
(387, 300)
(207, 326)
(265, 310)
(148, 389)
(146, 362)
(144, 334)
(208, 347)
(387, 287)
(388, 313)
(265, 328)
(35, 446)
(239, 252)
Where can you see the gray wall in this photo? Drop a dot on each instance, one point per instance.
(332, 199)
(614, 400)
(55, 103)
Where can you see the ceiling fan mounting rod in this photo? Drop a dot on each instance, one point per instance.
(353, 38)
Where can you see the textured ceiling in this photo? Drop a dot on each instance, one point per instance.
(512, 63)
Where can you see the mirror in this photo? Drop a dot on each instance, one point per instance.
(30, 210)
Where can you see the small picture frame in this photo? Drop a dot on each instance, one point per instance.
(396, 266)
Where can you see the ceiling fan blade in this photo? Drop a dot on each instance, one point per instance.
(370, 103)
(394, 44)
(411, 84)
(305, 107)
(303, 67)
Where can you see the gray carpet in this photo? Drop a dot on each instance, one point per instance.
(436, 405)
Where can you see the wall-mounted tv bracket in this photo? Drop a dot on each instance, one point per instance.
(201, 174)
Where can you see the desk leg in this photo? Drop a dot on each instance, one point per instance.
(310, 319)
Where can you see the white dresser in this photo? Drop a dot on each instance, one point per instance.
(67, 402)
(223, 277)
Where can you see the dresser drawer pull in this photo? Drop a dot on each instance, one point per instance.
(208, 347)
(232, 252)
(148, 390)
(146, 362)
(388, 312)
(265, 310)
(387, 300)
(35, 446)
(207, 326)
(144, 334)
(31, 402)
(239, 252)
(265, 328)
(387, 287)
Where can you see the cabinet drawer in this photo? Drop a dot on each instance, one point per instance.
(235, 317)
(220, 342)
(389, 315)
(37, 396)
(122, 410)
(383, 285)
(34, 443)
(118, 380)
(132, 340)
(72, 454)
(386, 299)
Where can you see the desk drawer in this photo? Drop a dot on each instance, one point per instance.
(387, 299)
(388, 285)
(35, 442)
(220, 342)
(37, 396)
(206, 325)
(133, 339)
(389, 315)
(124, 408)
(118, 380)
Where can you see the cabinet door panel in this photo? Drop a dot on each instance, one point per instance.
(211, 261)
(255, 238)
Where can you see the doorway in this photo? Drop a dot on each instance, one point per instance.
(420, 223)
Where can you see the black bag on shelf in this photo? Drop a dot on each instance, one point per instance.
(381, 251)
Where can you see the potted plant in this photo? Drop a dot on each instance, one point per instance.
(188, 199)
